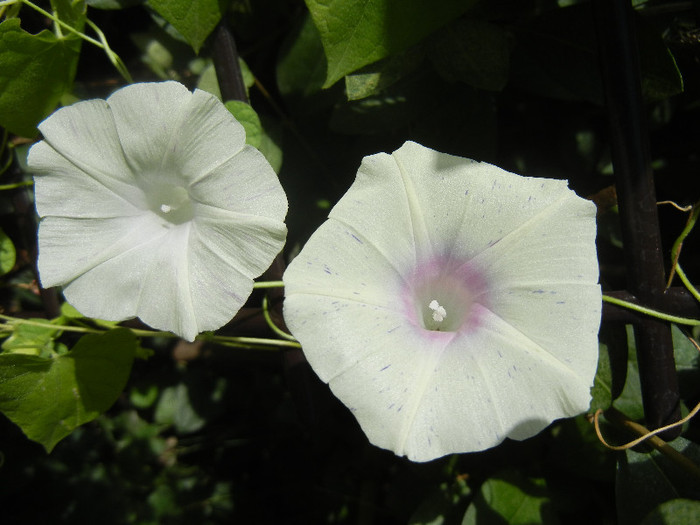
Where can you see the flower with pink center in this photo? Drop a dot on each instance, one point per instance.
(450, 304)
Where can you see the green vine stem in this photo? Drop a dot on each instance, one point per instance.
(687, 283)
(16, 185)
(676, 249)
(9, 324)
(651, 312)
(266, 314)
(268, 284)
(60, 24)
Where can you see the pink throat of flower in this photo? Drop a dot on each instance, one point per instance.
(440, 295)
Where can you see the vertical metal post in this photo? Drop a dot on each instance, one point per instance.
(637, 204)
(228, 71)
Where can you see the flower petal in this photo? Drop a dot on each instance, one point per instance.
(222, 266)
(68, 247)
(425, 396)
(85, 135)
(145, 281)
(544, 280)
(378, 204)
(452, 195)
(205, 121)
(169, 218)
(245, 183)
(71, 192)
(163, 126)
(525, 354)
(147, 118)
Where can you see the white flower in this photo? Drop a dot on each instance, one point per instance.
(152, 205)
(450, 304)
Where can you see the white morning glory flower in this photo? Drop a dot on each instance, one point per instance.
(153, 206)
(450, 304)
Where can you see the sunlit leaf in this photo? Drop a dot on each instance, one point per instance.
(35, 71)
(112, 4)
(247, 116)
(8, 254)
(513, 499)
(194, 19)
(49, 398)
(375, 77)
(358, 32)
(30, 339)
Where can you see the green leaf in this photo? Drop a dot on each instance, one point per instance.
(143, 397)
(191, 402)
(302, 66)
(72, 12)
(35, 71)
(194, 19)
(612, 367)
(646, 480)
(8, 255)
(472, 51)
(49, 398)
(661, 77)
(358, 32)
(602, 384)
(373, 78)
(686, 357)
(677, 511)
(513, 499)
(174, 408)
(269, 143)
(684, 352)
(70, 312)
(247, 116)
(112, 4)
(31, 339)
(629, 401)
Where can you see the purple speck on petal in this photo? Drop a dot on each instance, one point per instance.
(354, 237)
(384, 368)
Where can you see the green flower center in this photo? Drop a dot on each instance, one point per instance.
(171, 202)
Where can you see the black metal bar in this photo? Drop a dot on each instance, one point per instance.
(637, 203)
(228, 71)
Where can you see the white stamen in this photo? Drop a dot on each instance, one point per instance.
(439, 312)
(165, 208)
